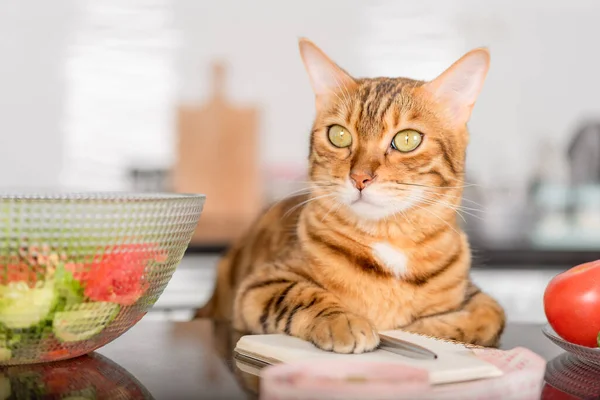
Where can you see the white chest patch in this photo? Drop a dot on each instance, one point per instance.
(391, 257)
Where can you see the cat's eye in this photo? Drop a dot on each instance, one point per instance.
(407, 140)
(339, 136)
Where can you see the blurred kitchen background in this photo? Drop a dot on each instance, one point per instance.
(212, 97)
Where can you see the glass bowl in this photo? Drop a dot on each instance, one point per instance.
(90, 376)
(79, 270)
(589, 354)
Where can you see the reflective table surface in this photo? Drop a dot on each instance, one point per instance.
(194, 360)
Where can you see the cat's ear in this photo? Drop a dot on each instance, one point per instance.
(326, 77)
(458, 87)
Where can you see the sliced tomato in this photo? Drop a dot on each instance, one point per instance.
(55, 355)
(15, 271)
(117, 277)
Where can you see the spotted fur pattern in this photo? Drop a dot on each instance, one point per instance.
(335, 265)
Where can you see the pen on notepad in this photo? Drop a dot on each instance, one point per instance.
(405, 348)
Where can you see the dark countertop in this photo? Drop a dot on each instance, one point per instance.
(485, 256)
(193, 360)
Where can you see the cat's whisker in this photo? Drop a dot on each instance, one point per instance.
(345, 92)
(403, 214)
(455, 197)
(457, 206)
(328, 211)
(336, 203)
(435, 201)
(307, 190)
(420, 198)
(299, 191)
(332, 90)
(427, 201)
(324, 192)
(437, 216)
(290, 195)
(316, 182)
(448, 195)
(317, 185)
(458, 210)
(306, 202)
(343, 100)
(465, 210)
(434, 187)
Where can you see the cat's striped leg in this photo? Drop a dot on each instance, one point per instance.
(479, 320)
(279, 301)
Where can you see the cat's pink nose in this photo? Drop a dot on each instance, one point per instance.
(361, 179)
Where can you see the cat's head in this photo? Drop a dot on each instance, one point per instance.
(384, 146)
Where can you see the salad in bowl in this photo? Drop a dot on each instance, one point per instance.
(67, 292)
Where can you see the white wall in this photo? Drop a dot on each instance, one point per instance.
(120, 91)
(32, 45)
(543, 77)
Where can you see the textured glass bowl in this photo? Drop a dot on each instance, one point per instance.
(78, 270)
(588, 354)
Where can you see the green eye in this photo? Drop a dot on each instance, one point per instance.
(407, 140)
(339, 136)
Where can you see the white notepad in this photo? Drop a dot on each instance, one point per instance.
(455, 362)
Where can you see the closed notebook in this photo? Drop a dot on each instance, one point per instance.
(454, 362)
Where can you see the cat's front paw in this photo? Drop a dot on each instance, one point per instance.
(344, 333)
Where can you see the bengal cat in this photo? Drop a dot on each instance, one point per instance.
(374, 243)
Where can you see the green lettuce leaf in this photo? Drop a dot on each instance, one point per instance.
(69, 290)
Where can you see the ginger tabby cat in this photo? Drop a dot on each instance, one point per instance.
(375, 242)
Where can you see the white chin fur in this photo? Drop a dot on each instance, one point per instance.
(374, 205)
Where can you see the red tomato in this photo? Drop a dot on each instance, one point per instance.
(117, 277)
(55, 354)
(19, 272)
(572, 304)
(12, 269)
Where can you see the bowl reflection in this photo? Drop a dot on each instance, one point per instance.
(569, 377)
(91, 376)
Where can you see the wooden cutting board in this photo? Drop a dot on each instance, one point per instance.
(218, 156)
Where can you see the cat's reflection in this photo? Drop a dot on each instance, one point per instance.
(225, 339)
(91, 376)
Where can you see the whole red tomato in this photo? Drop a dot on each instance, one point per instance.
(572, 304)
